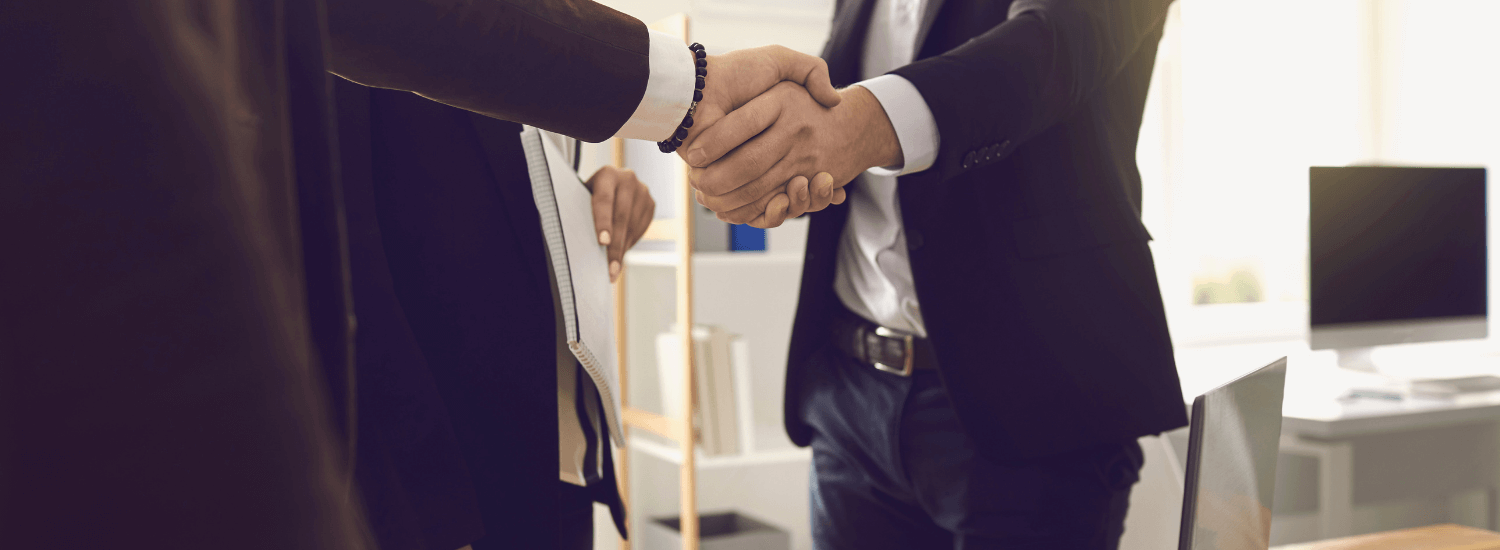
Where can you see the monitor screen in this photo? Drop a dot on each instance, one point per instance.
(1396, 244)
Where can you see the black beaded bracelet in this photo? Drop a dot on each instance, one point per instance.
(701, 60)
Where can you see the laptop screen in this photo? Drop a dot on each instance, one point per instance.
(1231, 468)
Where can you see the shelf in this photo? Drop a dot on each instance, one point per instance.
(671, 453)
(668, 258)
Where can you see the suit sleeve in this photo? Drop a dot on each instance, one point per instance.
(1007, 85)
(570, 66)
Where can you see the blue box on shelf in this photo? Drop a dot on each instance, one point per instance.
(743, 238)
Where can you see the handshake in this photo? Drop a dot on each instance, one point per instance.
(772, 139)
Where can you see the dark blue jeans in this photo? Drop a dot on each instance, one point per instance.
(892, 468)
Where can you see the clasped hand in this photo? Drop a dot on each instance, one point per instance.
(772, 139)
(761, 155)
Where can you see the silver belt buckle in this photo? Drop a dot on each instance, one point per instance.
(905, 368)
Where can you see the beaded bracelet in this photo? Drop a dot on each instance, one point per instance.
(701, 60)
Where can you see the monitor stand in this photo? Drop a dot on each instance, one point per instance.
(1356, 359)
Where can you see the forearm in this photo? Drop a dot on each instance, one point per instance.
(570, 66)
(875, 144)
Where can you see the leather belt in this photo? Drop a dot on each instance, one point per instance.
(885, 349)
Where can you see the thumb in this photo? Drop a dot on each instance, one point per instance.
(811, 72)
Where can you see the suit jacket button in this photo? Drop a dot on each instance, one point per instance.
(969, 159)
(913, 240)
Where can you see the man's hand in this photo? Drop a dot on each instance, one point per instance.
(737, 77)
(798, 197)
(742, 163)
(623, 208)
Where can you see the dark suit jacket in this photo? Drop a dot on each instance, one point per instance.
(176, 298)
(1027, 250)
(456, 347)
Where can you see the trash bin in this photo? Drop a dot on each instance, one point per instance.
(718, 531)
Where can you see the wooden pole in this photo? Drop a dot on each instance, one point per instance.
(688, 483)
(685, 313)
(622, 460)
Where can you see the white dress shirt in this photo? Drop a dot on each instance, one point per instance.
(669, 90)
(873, 277)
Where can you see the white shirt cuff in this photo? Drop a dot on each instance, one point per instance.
(916, 130)
(669, 90)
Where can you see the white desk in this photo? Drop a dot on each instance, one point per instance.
(1318, 424)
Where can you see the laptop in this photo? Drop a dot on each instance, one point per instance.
(1231, 463)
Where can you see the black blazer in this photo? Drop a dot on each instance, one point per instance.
(1027, 250)
(176, 266)
(456, 348)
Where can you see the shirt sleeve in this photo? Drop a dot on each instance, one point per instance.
(916, 130)
(669, 91)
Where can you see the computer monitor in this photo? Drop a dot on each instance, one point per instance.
(1231, 464)
(1397, 255)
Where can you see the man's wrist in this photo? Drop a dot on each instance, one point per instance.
(669, 90)
(877, 142)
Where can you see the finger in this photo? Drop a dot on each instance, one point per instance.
(625, 196)
(750, 211)
(603, 184)
(811, 72)
(800, 194)
(758, 189)
(771, 217)
(734, 129)
(746, 165)
(839, 195)
(821, 188)
(775, 213)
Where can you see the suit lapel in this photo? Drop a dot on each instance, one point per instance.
(930, 9)
(502, 147)
(851, 24)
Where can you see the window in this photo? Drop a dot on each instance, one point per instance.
(1245, 99)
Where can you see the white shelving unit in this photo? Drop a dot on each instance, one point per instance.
(668, 258)
(746, 293)
(757, 458)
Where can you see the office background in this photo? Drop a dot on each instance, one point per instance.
(1245, 97)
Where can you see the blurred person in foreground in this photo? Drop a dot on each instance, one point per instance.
(177, 364)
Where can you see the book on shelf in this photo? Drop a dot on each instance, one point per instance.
(739, 361)
(718, 398)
